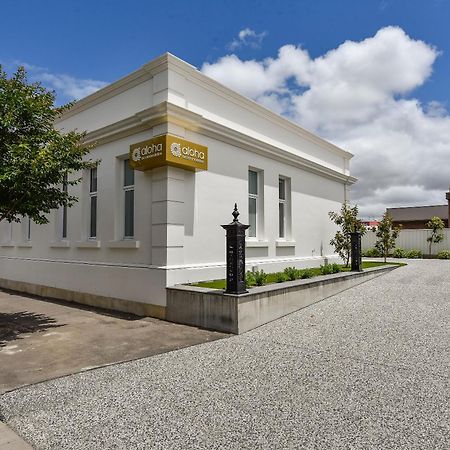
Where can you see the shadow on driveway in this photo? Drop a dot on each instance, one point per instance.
(13, 325)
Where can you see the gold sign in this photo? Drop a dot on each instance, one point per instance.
(168, 150)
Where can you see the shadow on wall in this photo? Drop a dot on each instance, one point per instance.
(12, 325)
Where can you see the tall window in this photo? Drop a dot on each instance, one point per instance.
(253, 199)
(64, 211)
(128, 188)
(28, 230)
(93, 203)
(282, 207)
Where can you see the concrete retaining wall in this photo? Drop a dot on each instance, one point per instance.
(237, 314)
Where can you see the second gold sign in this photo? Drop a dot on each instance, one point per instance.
(168, 150)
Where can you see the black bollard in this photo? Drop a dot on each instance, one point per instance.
(356, 251)
(235, 255)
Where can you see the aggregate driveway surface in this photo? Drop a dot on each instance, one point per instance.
(365, 369)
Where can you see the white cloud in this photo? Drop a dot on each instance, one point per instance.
(73, 88)
(359, 95)
(67, 88)
(247, 38)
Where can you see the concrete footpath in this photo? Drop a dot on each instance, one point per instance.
(40, 340)
(10, 440)
(365, 369)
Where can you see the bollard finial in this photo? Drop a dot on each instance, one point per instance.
(235, 213)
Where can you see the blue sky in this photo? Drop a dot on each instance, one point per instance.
(77, 46)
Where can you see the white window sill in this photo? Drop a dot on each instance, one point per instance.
(24, 244)
(284, 243)
(255, 243)
(88, 244)
(125, 243)
(60, 244)
(8, 244)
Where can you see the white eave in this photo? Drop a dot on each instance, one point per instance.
(165, 111)
(168, 61)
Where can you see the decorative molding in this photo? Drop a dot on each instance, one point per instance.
(88, 244)
(167, 112)
(211, 265)
(168, 61)
(60, 244)
(249, 243)
(284, 243)
(24, 244)
(126, 244)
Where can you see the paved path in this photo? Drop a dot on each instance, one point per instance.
(40, 340)
(10, 441)
(366, 369)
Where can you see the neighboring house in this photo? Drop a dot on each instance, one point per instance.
(177, 150)
(370, 224)
(416, 217)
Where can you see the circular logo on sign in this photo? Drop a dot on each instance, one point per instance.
(136, 156)
(175, 148)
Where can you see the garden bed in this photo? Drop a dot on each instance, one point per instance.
(209, 307)
(304, 274)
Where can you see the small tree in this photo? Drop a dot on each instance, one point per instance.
(386, 235)
(35, 158)
(347, 220)
(436, 225)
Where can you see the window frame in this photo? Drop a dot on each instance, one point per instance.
(286, 202)
(93, 194)
(28, 230)
(253, 196)
(128, 188)
(282, 207)
(63, 230)
(259, 204)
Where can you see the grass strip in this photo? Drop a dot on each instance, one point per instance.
(272, 277)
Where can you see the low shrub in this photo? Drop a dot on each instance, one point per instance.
(250, 279)
(445, 254)
(292, 273)
(399, 253)
(414, 254)
(328, 269)
(306, 273)
(372, 253)
(260, 277)
(281, 277)
(336, 268)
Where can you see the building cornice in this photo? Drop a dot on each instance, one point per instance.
(208, 83)
(167, 112)
(168, 61)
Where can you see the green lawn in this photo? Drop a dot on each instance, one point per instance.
(271, 277)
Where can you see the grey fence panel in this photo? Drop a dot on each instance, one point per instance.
(409, 239)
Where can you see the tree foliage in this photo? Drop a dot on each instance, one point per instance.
(348, 222)
(386, 235)
(436, 225)
(35, 158)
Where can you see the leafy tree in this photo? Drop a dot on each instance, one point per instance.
(386, 235)
(347, 220)
(35, 158)
(436, 225)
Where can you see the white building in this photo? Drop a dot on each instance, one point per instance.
(133, 233)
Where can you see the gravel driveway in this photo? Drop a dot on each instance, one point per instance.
(365, 369)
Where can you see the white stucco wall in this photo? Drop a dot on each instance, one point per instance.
(178, 213)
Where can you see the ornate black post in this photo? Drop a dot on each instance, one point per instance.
(235, 255)
(356, 251)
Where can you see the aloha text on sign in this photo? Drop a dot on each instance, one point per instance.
(168, 150)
